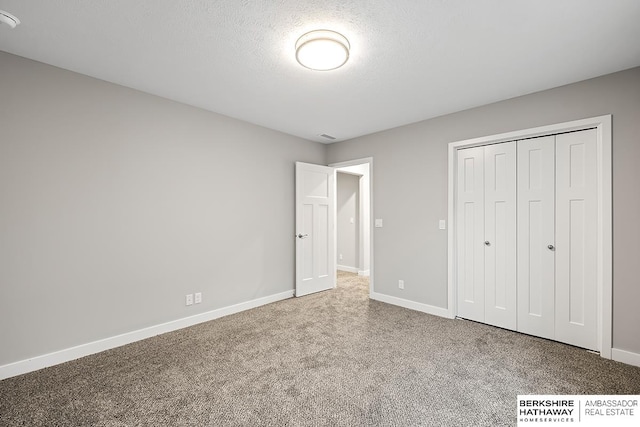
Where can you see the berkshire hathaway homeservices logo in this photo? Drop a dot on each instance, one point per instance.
(585, 410)
(546, 410)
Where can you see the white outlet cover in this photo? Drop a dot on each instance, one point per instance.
(188, 299)
(198, 297)
(378, 223)
(442, 224)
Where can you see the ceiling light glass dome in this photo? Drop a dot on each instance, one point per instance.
(322, 50)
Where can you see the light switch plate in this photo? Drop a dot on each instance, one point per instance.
(378, 223)
(442, 225)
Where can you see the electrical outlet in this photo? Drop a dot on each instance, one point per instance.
(198, 297)
(401, 284)
(188, 300)
(340, 257)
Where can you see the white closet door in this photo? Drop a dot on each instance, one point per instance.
(470, 233)
(576, 234)
(500, 234)
(536, 232)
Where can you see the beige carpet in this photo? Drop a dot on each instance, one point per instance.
(330, 359)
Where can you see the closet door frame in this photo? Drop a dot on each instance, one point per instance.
(602, 124)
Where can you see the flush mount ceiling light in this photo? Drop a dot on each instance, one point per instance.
(322, 50)
(9, 19)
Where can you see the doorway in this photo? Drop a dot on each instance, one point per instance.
(354, 239)
(348, 223)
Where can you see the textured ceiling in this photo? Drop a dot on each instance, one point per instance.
(410, 59)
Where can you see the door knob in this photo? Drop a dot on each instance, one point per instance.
(487, 243)
(302, 236)
(551, 247)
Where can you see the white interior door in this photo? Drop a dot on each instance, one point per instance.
(576, 238)
(500, 234)
(536, 236)
(470, 245)
(315, 228)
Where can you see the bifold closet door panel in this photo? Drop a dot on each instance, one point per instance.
(500, 234)
(470, 233)
(576, 238)
(536, 236)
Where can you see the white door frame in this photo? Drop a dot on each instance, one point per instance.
(604, 245)
(355, 162)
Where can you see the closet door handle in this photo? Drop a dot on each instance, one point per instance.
(487, 243)
(551, 248)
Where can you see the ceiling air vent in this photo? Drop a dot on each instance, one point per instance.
(324, 135)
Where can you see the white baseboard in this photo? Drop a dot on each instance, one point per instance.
(68, 354)
(625, 357)
(412, 305)
(365, 273)
(347, 268)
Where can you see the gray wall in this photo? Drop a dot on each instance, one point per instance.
(347, 207)
(114, 204)
(410, 187)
